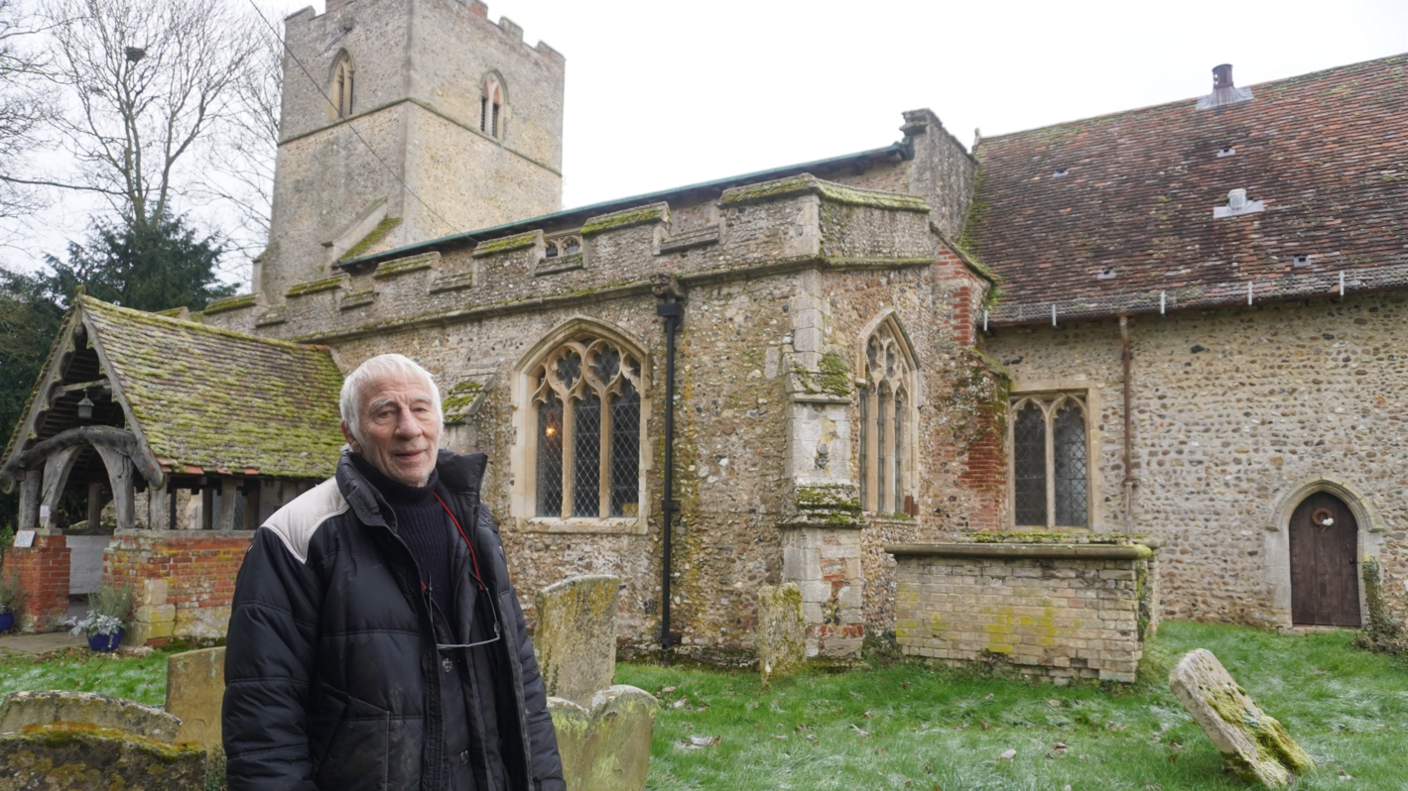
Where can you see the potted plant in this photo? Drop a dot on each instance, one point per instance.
(108, 610)
(9, 601)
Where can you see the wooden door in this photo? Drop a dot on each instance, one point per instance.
(1324, 563)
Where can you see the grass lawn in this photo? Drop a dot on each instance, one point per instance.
(906, 726)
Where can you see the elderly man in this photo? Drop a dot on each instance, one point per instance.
(375, 639)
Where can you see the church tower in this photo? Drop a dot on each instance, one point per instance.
(402, 121)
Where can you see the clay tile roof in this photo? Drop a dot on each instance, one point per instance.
(214, 399)
(1326, 152)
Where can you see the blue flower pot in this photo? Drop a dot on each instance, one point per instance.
(105, 643)
(7, 621)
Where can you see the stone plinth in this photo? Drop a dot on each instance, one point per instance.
(1255, 746)
(43, 574)
(605, 747)
(575, 638)
(1057, 610)
(782, 631)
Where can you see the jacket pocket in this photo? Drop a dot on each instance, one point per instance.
(349, 741)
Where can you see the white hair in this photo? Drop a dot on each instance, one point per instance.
(382, 364)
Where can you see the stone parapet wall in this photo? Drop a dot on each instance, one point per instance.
(1061, 611)
(190, 572)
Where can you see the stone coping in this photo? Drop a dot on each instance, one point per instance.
(1078, 551)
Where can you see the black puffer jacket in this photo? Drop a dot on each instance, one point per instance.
(333, 677)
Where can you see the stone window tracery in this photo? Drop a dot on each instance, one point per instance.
(340, 90)
(562, 246)
(587, 409)
(1050, 460)
(886, 399)
(491, 102)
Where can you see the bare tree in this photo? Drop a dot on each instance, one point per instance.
(241, 158)
(147, 81)
(23, 108)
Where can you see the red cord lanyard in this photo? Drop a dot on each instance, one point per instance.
(472, 556)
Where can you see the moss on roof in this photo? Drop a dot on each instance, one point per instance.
(219, 305)
(216, 399)
(386, 226)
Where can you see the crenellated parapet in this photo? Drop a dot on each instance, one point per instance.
(791, 224)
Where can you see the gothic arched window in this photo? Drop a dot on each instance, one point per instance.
(491, 103)
(586, 413)
(1050, 461)
(340, 89)
(886, 428)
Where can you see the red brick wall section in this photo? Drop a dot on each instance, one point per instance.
(43, 575)
(199, 568)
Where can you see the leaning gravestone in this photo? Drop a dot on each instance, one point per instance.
(1255, 746)
(575, 639)
(195, 690)
(782, 631)
(605, 747)
(79, 741)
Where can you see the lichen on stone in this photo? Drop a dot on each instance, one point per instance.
(657, 212)
(832, 377)
(222, 305)
(807, 184)
(316, 286)
(375, 235)
(506, 244)
(402, 266)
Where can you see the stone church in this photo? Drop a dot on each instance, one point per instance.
(1184, 323)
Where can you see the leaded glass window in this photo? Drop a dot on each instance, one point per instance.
(1050, 469)
(587, 405)
(885, 454)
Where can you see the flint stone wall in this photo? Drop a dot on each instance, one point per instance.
(1239, 414)
(1061, 611)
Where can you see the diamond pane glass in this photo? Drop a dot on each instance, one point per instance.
(1068, 435)
(586, 456)
(625, 452)
(569, 368)
(550, 456)
(899, 452)
(1029, 466)
(608, 364)
(863, 455)
(883, 406)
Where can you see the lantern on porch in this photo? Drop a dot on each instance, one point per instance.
(85, 408)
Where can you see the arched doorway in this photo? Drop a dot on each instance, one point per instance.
(1324, 539)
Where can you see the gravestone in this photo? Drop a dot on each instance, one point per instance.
(79, 741)
(782, 631)
(575, 638)
(195, 690)
(605, 747)
(1255, 746)
(41, 707)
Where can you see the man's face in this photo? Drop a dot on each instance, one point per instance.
(399, 427)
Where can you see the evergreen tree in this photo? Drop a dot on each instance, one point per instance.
(29, 319)
(147, 266)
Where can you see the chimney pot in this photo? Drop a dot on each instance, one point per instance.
(1222, 76)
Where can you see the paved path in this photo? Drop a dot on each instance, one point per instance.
(40, 643)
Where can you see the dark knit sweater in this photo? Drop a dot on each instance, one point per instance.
(422, 522)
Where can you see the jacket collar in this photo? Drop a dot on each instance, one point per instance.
(459, 473)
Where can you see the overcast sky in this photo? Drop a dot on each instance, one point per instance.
(663, 94)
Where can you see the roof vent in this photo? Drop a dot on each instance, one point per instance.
(1226, 152)
(1062, 172)
(1223, 91)
(1300, 260)
(1108, 273)
(1237, 204)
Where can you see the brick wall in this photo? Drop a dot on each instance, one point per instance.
(42, 571)
(1057, 610)
(199, 569)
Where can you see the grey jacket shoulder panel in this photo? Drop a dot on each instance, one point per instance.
(296, 522)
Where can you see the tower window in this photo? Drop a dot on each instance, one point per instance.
(491, 102)
(340, 91)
